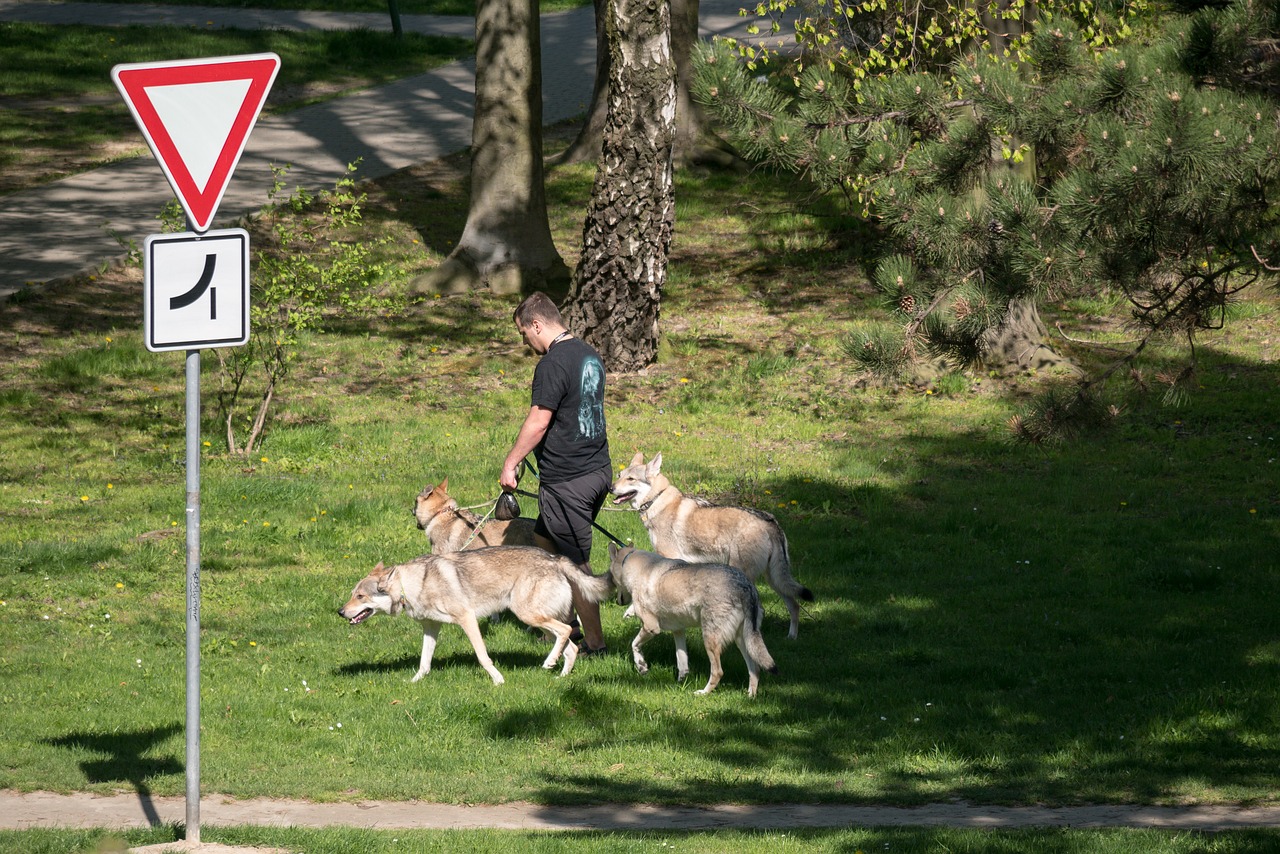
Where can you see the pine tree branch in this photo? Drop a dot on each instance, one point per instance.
(892, 115)
(1261, 261)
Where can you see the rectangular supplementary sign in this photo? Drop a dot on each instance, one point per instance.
(196, 290)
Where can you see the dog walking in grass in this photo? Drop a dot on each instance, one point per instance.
(672, 596)
(463, 587)
(700, 532)
(449, 528)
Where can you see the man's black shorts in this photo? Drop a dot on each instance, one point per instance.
(566, 511)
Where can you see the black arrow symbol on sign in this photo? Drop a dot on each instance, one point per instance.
(184, 300)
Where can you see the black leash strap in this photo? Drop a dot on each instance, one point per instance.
(594, 523)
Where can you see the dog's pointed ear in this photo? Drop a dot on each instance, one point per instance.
(638, 459)
(655, 465)
(444, 485)
(613, 550)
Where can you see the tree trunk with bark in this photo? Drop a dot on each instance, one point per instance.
(1020, 343)
(695, 142)
(615, 301)
(506, 244)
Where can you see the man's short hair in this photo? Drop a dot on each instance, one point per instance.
(537, 306)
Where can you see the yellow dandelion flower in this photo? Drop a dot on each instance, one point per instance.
(84, 498)
(684, 379)
(253, 643)
(111, 486)
(266, 524)
(119, 586)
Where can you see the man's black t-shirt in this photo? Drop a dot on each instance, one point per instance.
(569, 379)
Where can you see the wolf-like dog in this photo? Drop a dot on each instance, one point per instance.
(700, 532)
(461, 588)
(449, 527)
(672, 595)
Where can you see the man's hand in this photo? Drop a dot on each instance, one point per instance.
(508, 480)
(531, 433)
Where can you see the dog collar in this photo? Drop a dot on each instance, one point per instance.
(645, 506)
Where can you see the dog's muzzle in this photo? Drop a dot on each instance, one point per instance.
(358, 618)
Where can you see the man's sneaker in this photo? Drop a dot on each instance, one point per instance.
(585, 651)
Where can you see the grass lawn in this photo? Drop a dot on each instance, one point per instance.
(406, 7)
(848, 841)
(994, 623)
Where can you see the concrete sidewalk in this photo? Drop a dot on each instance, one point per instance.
(61, 229)
(44, 809)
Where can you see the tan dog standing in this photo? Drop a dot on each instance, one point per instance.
(700, 532)
(672, 595)
(463, 587)
(449, 527)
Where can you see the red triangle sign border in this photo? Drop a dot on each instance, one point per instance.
(133, 81)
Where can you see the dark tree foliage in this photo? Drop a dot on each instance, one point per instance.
(1147, 169)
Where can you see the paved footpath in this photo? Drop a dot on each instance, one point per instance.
(59, 230)
(44, 809)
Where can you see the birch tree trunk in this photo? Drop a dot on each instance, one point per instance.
(696, 142)
(617, 290)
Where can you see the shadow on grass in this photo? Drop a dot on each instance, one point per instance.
(1091, 623)
(123, 759)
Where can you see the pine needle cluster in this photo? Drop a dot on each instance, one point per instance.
(1147, 167)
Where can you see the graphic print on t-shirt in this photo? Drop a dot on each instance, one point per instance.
(591, 399)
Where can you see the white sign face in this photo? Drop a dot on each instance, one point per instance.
(196, 290)
(196, 116)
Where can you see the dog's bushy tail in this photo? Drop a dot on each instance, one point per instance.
(593, 588)
(780, 575)
(752, 640)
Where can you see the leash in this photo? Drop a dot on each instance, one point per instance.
(528, 465)
(476, 530)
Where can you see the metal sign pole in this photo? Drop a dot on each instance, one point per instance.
(193, 597)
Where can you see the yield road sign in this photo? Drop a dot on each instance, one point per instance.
(196, 115)
(196, 290)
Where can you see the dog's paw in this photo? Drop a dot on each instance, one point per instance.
(642, 667)
(681, 676)
(497, 679)
(417, 676)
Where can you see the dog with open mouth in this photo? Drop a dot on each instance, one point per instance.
(463, 587)
(701, 532)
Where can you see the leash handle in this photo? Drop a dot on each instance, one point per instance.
(526, 464)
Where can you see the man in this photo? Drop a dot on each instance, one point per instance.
(565, 431)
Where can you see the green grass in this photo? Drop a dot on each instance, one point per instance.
(407, 7)
(62, 113)
(860, 841)
(994, 623)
